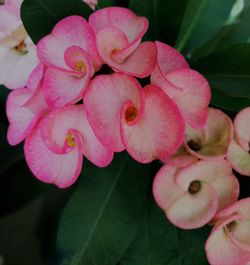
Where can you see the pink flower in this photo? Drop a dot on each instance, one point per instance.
(17, 52)
(211, 142)
(54, 149)
(239, 149)
(70, 54)
(181, 158)
(229, 241)
(186, 87)
(25, 106)
(123, 115)
(118, 34)
(191, 196)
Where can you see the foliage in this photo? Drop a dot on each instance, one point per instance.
(110, 217)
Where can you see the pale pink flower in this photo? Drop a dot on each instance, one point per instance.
(191, 196)
(91, 3)
(54, 151)
(229, 241)
(124, 116)
(17, 52)
(118, 34)
(70, 55)
(239, 149)
(186, 87)
(212, 141)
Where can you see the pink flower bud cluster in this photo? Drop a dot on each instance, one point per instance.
(68, 110)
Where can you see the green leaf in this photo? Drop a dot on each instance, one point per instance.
(160, 243)
(105, 3)
(40, 16)
(228, 72)
(236, 33)
(101, 218)
(202, 20)
(4, 92)
(164, 16)
(8, 154)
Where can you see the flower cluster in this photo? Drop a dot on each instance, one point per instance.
(196, 186)
(64, 108)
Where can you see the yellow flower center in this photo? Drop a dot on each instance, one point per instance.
(80, 66)
(130, 114)
(70, 140)
(21, 48)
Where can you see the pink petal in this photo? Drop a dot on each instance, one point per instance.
(59, 169)
(239, 158)
(221, 250)
(103, 102)
(134, 27)
(242, 128)
(212, 141)
(23, 118)
(181, 158)
(62, 88)
(113, 48)
(190, 212)
(191, 196)
(182, 208)
(57, 124)
(195, 89)
(158, 132)
(169, 59)
(70, 31)
(14, 5)
(9, 21)
(218, 174)
(36, 78)
(240, 207)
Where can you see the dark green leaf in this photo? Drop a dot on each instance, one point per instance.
(40, 16)
(8, 155)
(100, 220)
(202, 20)
(3, 95)
(164, 16)
(236, 33)
(228, 72)
(160, 243)
(105, 3)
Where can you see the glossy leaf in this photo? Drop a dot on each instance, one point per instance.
(40, 16)
(101, 218)
(201, 21)
(228, 72)
(158, 242)
(164, 16)
(236, 33)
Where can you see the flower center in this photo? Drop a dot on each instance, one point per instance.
(193, 145)
(194, 187)
(70, 140)
(21, 48)
(130, 114)
(80, 66)
(230, 227)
